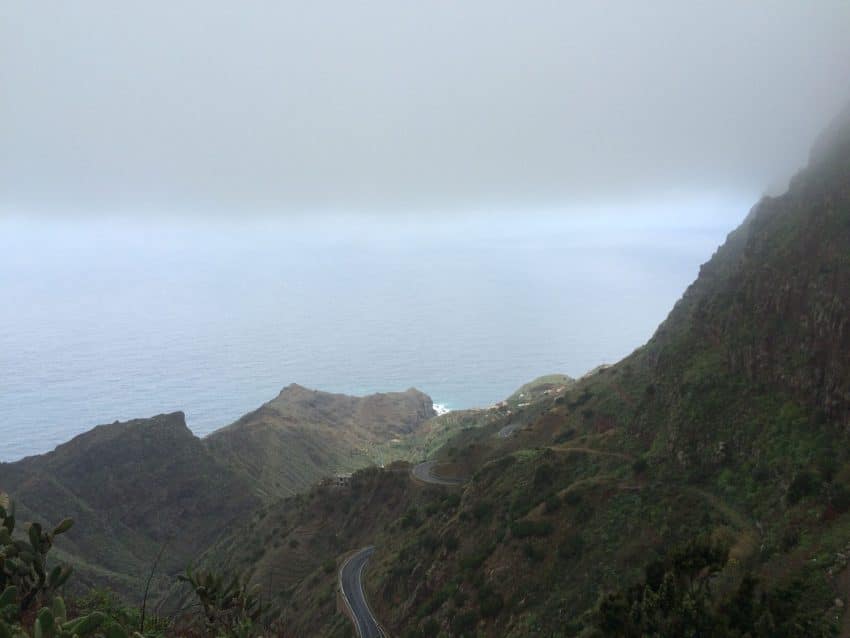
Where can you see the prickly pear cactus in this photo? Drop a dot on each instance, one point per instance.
(230, 606)
(51, 622)
(23, 561)
(26, 581)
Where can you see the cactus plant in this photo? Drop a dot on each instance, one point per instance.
(23, 563)
(51, 622)
(230, 607)
(26, 581)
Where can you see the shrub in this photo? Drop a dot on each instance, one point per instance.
(229, 606)
(572, 498)
(450, 541)
(475, 558)
(500, 532)
(790, 538)
(107, 602)
(24, 560)
(544, 475)
(521, 506)
(571, 547)
(28, 589)
(429, 542)
(451, 501)
(804, 484)
(532, 553)
(678, 599)
(525, 528)
(482, 510)
(840, 498)
(430, 627)
(584, 512)
(565, 436)
(585, 396)
(761, 474)
(464, 623)
(410, 518)
(494, 469)
(490, 602)
(553, 502)
(436, 601)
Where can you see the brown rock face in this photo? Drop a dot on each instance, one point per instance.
(775, 299)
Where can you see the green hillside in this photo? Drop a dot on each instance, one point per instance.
(149, 486)
(701, 486)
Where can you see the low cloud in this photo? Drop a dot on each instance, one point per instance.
(214, 107)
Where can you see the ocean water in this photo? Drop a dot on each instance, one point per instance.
(105, 319)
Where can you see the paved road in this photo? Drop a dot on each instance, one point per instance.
(425, 473)
(351, 586)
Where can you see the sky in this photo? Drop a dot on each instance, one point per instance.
(212, 107)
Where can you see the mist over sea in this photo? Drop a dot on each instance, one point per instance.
(108, 319)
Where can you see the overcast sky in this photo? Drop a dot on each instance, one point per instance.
(207, 106)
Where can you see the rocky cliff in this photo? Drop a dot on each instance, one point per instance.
(729, 427)
(776, 297)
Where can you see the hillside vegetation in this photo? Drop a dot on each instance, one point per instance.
(149, 486)
(302, 435)
(701, 486)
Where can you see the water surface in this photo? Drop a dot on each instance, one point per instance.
(105, 320)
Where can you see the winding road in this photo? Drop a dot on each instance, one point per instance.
(351, 587)
(425, 473)
(351, 572)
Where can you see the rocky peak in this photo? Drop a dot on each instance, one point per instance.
(774, 301)
(833, 145)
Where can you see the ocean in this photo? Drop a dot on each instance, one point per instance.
(106, 319)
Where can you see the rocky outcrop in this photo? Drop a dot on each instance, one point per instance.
(775, 299)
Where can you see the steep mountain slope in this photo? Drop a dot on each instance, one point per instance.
(302, 435)
(757, 349)
(729, 429)
(131, 487)
(137, 487)
(773, 301)
(730, 425)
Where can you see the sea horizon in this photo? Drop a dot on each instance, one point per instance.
(109, 322)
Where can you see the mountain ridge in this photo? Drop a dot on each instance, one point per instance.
(137, 486)
(729, 427)
(701, 483)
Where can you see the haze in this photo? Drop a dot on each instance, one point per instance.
(203, 201)
(226, 108)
